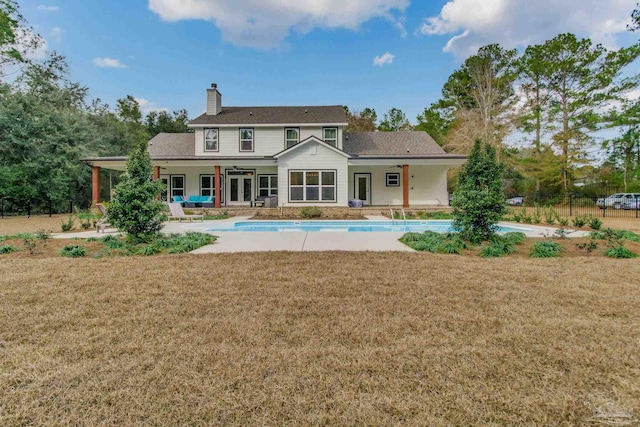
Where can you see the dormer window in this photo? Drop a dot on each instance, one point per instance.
(291, 137)
(246, 139)
(211, 139)
(330, 136)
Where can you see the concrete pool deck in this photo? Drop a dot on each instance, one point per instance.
(300, 241)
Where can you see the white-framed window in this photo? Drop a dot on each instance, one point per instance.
(312, 186)
(330, 136)
(267, 185)
(211, 139)
(177, 185)
(291, 137)
(207, 185)
(246, 139)
(393, 180)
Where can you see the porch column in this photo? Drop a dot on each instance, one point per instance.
(405, 186)
(156, 173)
(216, 202)
(95, 184)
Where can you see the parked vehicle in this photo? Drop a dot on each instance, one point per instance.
(632, 204)
(616, 201)
(515, 201)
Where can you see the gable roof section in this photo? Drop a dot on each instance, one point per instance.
(393, 144)
(168, 145)
(305, 142)
(325, 114)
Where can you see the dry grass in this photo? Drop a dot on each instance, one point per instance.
(318, 339)
(10, 225)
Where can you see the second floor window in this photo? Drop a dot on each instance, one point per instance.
(246, 139)
(291, 137)
(211, 139)
(330, 136)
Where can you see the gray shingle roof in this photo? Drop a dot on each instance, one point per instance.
(165, 145)
(330, 114)
(383, 144)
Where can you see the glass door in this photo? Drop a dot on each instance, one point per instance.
(240, 187)
(363, 188)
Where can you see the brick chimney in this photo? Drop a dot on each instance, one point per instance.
(214, 100)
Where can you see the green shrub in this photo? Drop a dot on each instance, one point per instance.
(514, 237)
(620, 252)
(67, 225)
(311, 212)
(479, 203)
(581, 220)
(497, 248)
(7, 249)
(113, 242)
(73, 251)
(30, 244)
(43, 235)
(564, 222)
(595, 223)
(589, 247)
(411, 237)
(546, 249)
(133, 207)
(149, 249)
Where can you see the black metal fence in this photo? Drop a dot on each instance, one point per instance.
(569, 205)
(48, 207)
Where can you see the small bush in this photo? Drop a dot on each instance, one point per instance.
(73, 251)
(7, 249)
(30, 244)
(546, 249)
(67, 225)
(620, 252)
(411, 237)
(497, 248)
(564, 222)
(595, 223)
(581, 220)
(113, 242)
(514, 237)
(311, 212)
(43, 235)
(147, 250)
(589, 247)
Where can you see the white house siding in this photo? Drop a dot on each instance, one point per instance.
(312, 156)
(192, 176)
(427, 185)
(267, 141)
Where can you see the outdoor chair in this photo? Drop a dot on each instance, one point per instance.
(104, 221)
(178, 213)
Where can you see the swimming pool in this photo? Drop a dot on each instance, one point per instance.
(439, 226)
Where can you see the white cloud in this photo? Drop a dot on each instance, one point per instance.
(386, 59)
(518, 23)
(108, 63)
(267, 23)
(147, 106)
(56, 34)
(45, 8)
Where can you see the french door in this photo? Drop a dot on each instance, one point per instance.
(239, 187)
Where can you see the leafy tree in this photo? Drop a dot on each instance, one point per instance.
(157, 122)
(478, 202)
(435, 121)
(394, 120)
(479, 97)
(129, 113)
(635, 18)
(134, 208)
(361, 121)
(583, 81)
(624, 151)
(16, 39)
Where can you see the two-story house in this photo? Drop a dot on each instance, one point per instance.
(301, 154)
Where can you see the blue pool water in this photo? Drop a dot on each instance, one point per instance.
(440, 226)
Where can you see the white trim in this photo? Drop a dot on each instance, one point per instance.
(266, 125)
(305, 142)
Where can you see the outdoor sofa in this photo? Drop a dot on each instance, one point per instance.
(194, 201)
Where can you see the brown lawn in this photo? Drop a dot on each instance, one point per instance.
(319, 339)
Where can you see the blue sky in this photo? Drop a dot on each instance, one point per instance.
(298, 52)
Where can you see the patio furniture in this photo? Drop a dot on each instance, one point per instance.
(355, 203)
(178, 213)
(199, 202)
(104, 221)
(178, 199)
